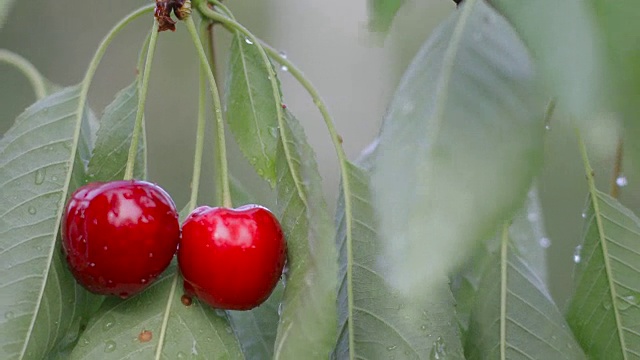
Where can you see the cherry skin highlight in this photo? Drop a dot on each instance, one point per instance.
(231, 258)
(119, 236)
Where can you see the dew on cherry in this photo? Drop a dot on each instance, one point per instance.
(576, 254)
(92, 264)
(150, 254)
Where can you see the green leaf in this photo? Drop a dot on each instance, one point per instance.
(195, 331)
(604, 312)
(527, 236)
(381, 14)
(375, 321)
(566, 48)
(618, 22)
(256, 329)
(251, 109)
(514, 316)
(459, 147)
(41, 306)
(111, 151)
(5, 7)
(307, 328)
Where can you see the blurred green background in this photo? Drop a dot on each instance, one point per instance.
(354, 70)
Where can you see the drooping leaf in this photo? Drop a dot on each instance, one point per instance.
(514, 316)
(156, 325)
(5, 7)
(307, 328)
(459, 147)
(256, 329)
(382, 13)
(564, 41)
(604, 311)
(111, 151)
(41, 303)
(527, 237)
(375, 321)
(251, 107)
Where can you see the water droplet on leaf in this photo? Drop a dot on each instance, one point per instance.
(621, 181)
(109, 346)
(393, 347)
(545, 242)
(576, 254)
(9, 315)
(248, 41)
(109, 323)
(32, 210)
(439, 349)
(40, 176)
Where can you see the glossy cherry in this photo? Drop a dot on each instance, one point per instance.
(119, 236)
(231, 258)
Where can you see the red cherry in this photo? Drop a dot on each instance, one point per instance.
(231, 258)
(119, 236)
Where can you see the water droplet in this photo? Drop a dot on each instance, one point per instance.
(143, 281)
(544, 242)
(283, 54)
(32, 210)
(84, 342)
(393, 347)
(280, 309)
(110, 321)
(9, 315)
(438, 350)
(150, 254)
(220, 313)
(584, 215)
(40, 176)
(109, 346)
(92, 264)
(248, 41)
(54, 178)
(105, 248)
(621, 181)
(284, 68)
(627, 302)
(423, 327)
(547, 127)
(576, 254)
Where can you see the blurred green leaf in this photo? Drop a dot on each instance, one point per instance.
(251, 108)
(459, 147)
(564, 41)
(109, 158)
(42, 307)
(618, 21)
(604, 311)
(513, 316)
(195, 331)
(307, 328)
(376, 322)
(381, 14)
(5, 7)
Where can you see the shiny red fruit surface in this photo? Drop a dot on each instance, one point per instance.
(231, 258)
(119, 236)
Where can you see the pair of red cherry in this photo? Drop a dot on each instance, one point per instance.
(119, 236)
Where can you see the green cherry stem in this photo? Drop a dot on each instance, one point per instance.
(217, 107)
(202, 121)
(142, 99)
(27, 69)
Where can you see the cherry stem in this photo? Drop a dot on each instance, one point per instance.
(27, 69)
(142, 99)
(217, 107)
(202, 122)
(617, 170)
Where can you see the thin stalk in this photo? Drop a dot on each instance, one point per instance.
(229, 22)
(222, 150)
(617, 170)
(142, 99)
(27, 69)
(503, 290)
(202, 122)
